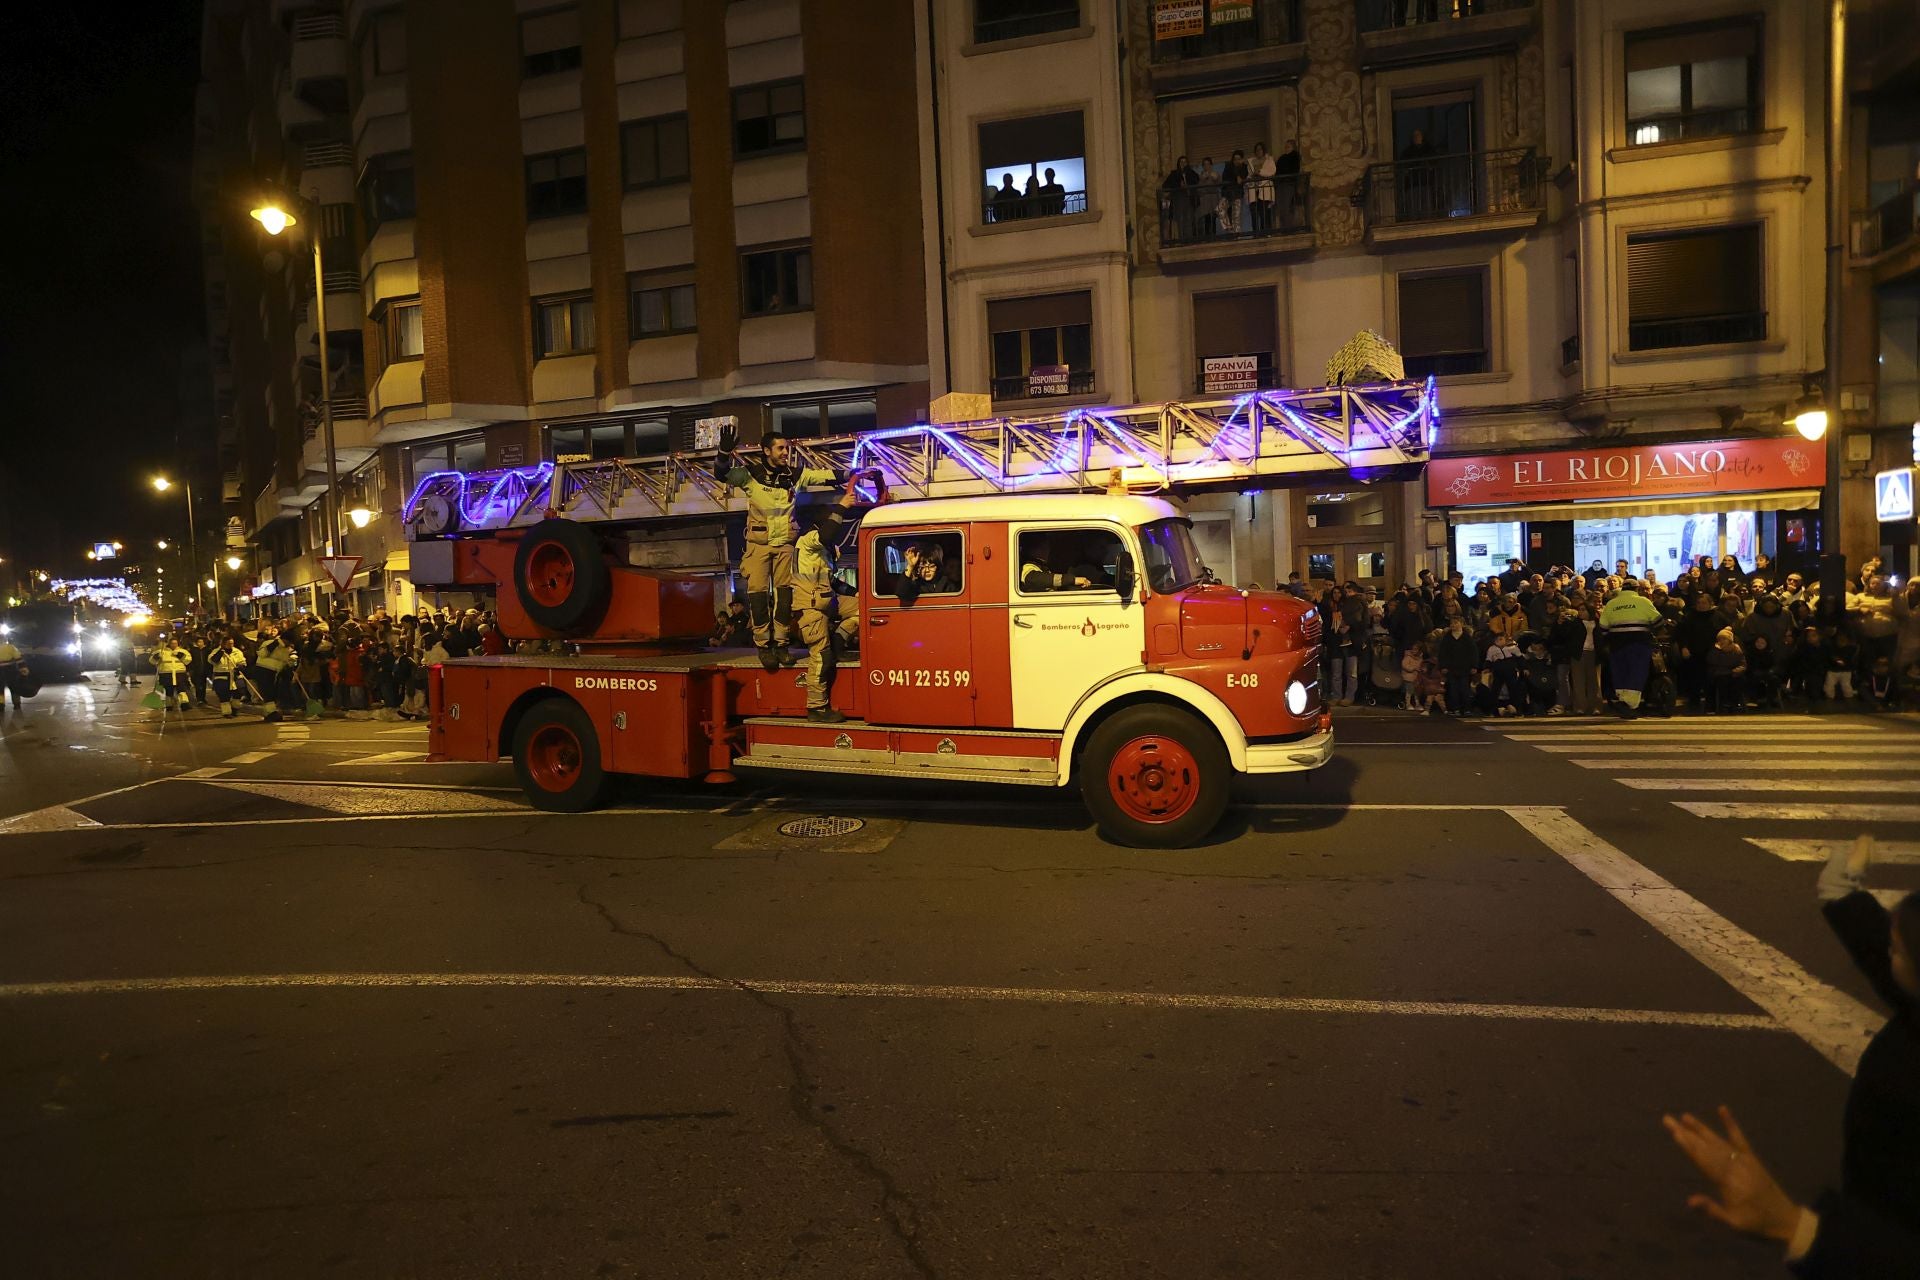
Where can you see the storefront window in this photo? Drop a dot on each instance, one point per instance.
(1666, 545)
(1481, 551)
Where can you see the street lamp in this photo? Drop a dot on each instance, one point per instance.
(273, 215)
(233, 563)
(161, 485)
(361, 517)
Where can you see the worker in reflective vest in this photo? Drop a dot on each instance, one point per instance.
(227, 667)
(10, 677)
(171, 660)
(823, 629)
(771, 482)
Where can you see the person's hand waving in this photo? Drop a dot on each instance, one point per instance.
(1748, 1199)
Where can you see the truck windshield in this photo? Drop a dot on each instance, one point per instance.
(1173, 562)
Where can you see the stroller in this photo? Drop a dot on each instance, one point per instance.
(1385, 677)
(1661, 692)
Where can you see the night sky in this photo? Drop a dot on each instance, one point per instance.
(102, 354)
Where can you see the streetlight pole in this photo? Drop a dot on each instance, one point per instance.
(1836, 266)
(193, 546)
(276, 219)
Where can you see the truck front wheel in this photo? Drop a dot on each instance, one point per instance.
(556, 755)
(1155, 777)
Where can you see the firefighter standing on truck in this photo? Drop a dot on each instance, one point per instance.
(771, 482)
(815, 593)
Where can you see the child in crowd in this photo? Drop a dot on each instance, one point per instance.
(1411, 663)
(1433, 687)
(1726, 673)
(1840, 654)
(1881, 688)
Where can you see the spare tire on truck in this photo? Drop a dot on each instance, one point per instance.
(561, 577)
(556, 755)
(1155, 777)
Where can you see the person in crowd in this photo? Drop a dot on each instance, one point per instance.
(1344, 662)
(170, 660)
(1288, 202)
(226, 669)
(1726, 674)
(13, 672)
(1869, 1227)
(1537, 672)
(1507, 683)
(1511, 578)
(1877, 627)
(1566, 642)
(351, 657)
(1260, 171)
(1411, 663)
(1507, 622)
(1766, 672)
(1053, 197)
(1880, 689)
(1628, 621)
(1459, 657)
(1840, 658)
(1007, 203)
(1905, 608)
(1233, 193)
(1206, 195)
(1807, 665)
(1695, 636)
(733, 629)
(1181, 186)
(1433, 685)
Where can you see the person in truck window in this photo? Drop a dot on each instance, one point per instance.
(1053, 563)
(771, 482)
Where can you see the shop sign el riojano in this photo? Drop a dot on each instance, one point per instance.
(1628, 471)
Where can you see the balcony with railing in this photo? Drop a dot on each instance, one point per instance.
(1039, 384)
(1201, 223)
(995, 21)
(318, 61)
(1005, 206)
(1270, 45)
(1467, 193)
(1889, 233)
(1696, 331)
(1410, 30)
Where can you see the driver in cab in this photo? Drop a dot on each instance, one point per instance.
(1056, 562)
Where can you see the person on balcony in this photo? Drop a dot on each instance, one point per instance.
(1206, 220)
(1416, 178)
(1286, 168)
(1053, 197)
(1233, 193)
(1007, 200)
(1179, 187)
(1260, 171)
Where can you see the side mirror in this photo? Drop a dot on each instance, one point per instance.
(1123, 577)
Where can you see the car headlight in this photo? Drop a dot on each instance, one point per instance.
(74, 648)
(1296, 698)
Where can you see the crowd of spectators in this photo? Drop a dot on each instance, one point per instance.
(372, 667)
(1725, 638)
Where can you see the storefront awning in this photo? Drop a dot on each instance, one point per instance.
(1773, 500)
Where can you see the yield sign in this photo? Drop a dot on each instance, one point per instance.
(340, 570)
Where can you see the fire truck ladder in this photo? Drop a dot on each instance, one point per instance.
(1246, 439)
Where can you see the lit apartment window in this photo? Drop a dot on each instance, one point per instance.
(383, 45)
(1035, 167)
(549, 42)
(1695, 288)
(654, 151)
(663, 303)
(563, 326)
(1693, 82)
(769, 117)
(1443, 322)
(776, 280)
(557, 184)
(1011, 19)
(401, 331)
(386, 187)
(1042, 346)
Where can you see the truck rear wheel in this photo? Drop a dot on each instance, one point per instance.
(561, 576)
(1155, 777)
(556, 755)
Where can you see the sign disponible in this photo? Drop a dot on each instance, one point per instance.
(1230, 373)
(1631, 471)
(1178, 19)
(1047, 380)
(1893, 495)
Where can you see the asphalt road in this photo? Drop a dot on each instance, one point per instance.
(289, 1000)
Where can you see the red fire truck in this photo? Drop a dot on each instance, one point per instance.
(1140, 679)
(1063, 638)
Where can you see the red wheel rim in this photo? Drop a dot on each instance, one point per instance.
(554, 757)
(550, 574)
(1154, 779)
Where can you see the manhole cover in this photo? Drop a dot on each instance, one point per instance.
(820, 828)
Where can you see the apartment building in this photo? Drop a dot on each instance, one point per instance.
(1599, 227)
(551, 230)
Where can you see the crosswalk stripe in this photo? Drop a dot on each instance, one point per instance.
(1749, 784)
(375, 799)
(1688, 749)
(1731, 759)
(385, 757)
(1801, 812)
(1890, 851)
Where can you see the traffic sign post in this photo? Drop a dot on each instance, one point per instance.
(339, 570)
(1893, 495)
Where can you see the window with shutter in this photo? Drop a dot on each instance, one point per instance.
(1241, 323)
(1443, 322)
(549, 42)
(1219, 136)
(1694, 81)
(1695, 288)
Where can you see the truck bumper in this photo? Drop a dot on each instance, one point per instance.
(1290, 757)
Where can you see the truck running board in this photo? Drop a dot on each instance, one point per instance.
(953, 755)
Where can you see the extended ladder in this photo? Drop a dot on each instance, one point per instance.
(1255, 437)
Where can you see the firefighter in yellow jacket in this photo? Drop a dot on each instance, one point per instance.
(171, 659)
(227, 667)
(10, 677)
(771, 482)
(823, 629)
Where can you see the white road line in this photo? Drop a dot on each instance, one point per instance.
(224, 822)
(1344, 743)
(1801, 812)
(216, 771)
(360, 800)
(1715, 732)
(1833, 1022)
(249, 757)
(385, 757)
(1732, 759)
(1606, 722)
(1755, 784)
(1888, 851)
(1721, 743)
(332, 785)
(899, 991)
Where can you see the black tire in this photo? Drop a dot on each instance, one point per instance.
(556, 756)
(1153, 757)
(561, 577)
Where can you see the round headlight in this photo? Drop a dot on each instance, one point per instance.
(1296, 698)
(74, 648)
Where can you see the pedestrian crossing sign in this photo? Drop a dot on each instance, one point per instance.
(1893, 495)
